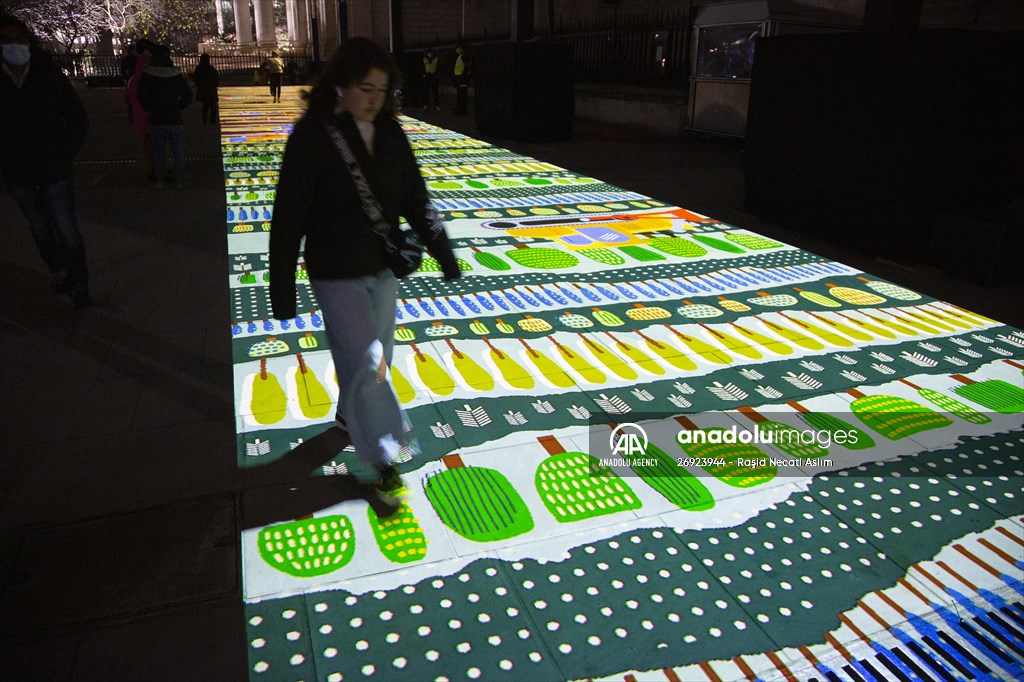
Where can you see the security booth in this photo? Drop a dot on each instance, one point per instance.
(722, 57)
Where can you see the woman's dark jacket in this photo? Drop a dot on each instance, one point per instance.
(42, 125)
(316, 198)
(163, 93)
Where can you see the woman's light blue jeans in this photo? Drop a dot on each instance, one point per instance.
(359, 316)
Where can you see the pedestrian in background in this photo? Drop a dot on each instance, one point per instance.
(460, 74)
(206, 79)
(128, 60)
(273, 66)
(291, 71)
(430, 80)
(137, 115)
(164, 92)
(42, 127)
(328, 199)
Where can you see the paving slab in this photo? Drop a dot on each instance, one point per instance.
(120, 566)
(195, 644)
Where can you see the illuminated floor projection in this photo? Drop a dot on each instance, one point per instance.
(831, 486)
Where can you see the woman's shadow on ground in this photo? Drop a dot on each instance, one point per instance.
(289, 488)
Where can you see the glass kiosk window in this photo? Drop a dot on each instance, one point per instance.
(726, 51)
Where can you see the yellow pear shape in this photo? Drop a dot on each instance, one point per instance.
(584, 368)
(845, 329)
(968, 316)
(890, 323)
(769, 343)
(548, 368)
(671, 354)
(642, 360)
(314, 401)
(511, 371)
(873, 328)
(926, 321)
(269, 402)
(432, 374)
(472, 373)
(610, 359)
(403, 389)
(959, 322)
(733, 344)
(822, 333)
(703, 349)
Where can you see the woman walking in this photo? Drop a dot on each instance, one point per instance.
(348, 174)
(273, 66)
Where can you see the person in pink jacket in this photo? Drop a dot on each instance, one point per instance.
(136, 112)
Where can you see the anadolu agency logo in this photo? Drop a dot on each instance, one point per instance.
(628, 440)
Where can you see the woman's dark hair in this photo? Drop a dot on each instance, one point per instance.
(204, 59)
(348, 65)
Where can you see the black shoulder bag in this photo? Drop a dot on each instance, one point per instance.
(403, 252)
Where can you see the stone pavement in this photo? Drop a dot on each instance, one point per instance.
(118, 421)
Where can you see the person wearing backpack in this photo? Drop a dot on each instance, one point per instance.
(163, 93)
(273, 66)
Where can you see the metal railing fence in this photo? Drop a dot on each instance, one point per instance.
(236, 68)
(648, 49)
(645, 49)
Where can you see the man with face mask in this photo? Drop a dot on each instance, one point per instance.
(42, 126)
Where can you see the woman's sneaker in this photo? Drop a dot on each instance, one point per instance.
(383, 504)
(385, 493)
(391, 481)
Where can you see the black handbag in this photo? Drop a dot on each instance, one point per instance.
(406, 256)
(403, 251)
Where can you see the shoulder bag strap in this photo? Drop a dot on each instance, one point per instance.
(371, 207)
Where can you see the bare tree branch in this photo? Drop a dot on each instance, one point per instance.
(60, 21)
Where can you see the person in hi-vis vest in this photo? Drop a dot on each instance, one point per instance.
(461, 77)
(430, 81)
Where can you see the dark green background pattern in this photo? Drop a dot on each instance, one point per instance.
(655, 597)
(649, 597)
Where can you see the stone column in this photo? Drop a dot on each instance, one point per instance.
(329, 38)
(243, 23)
(362, 16)
(298, 22)
(265, 36)
(219, 13)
